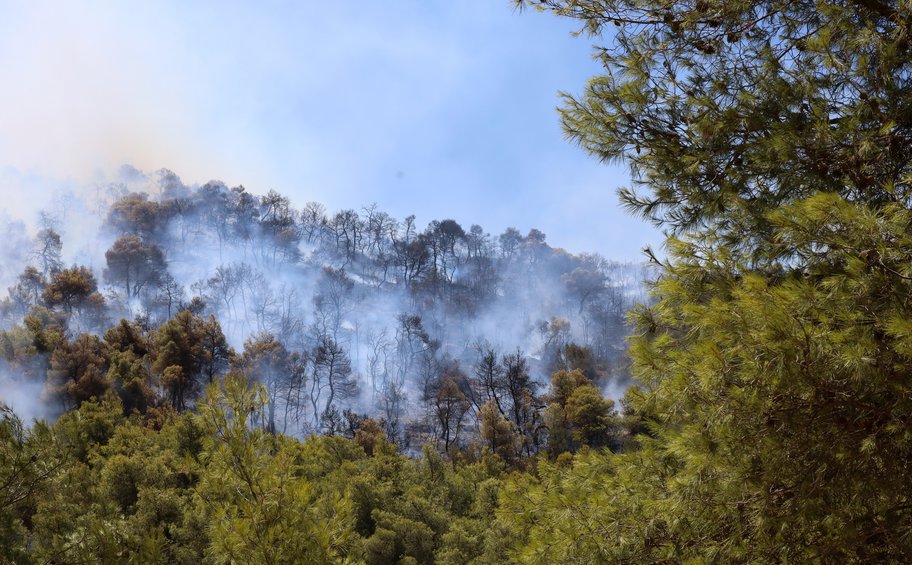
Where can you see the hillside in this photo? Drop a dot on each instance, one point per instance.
(227, 376)
(335, 313)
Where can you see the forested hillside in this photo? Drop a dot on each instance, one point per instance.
(240, 381)
(449, 354)
(337, 314)
(340, 315)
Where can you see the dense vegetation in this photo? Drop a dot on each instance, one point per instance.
(335, 315)
(769, 420)
(175, 488)
(247, 381)
(772, 140)
(173, 446)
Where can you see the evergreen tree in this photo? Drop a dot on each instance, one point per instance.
(771, 140)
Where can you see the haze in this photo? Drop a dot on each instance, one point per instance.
(441, 109)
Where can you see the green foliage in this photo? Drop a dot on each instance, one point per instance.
(769, 421)
(28, 461)
(771, 140)
(76, 369)
(70, 288)
(135, 264)
(258, 509)
(188, 347)
(129, 376)
(22, 347)
(780, 403)
(809, 369)
(496, 431)
(726, 110)
(216, 486)
(578, 415)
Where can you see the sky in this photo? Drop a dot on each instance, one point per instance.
(442, 109)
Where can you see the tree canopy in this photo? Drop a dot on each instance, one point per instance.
(771, 140)
(769, 416)
(728, 110)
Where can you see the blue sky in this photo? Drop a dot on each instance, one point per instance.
(441, 109)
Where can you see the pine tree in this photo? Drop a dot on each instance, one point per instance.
(772, 142)
(259, 508)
